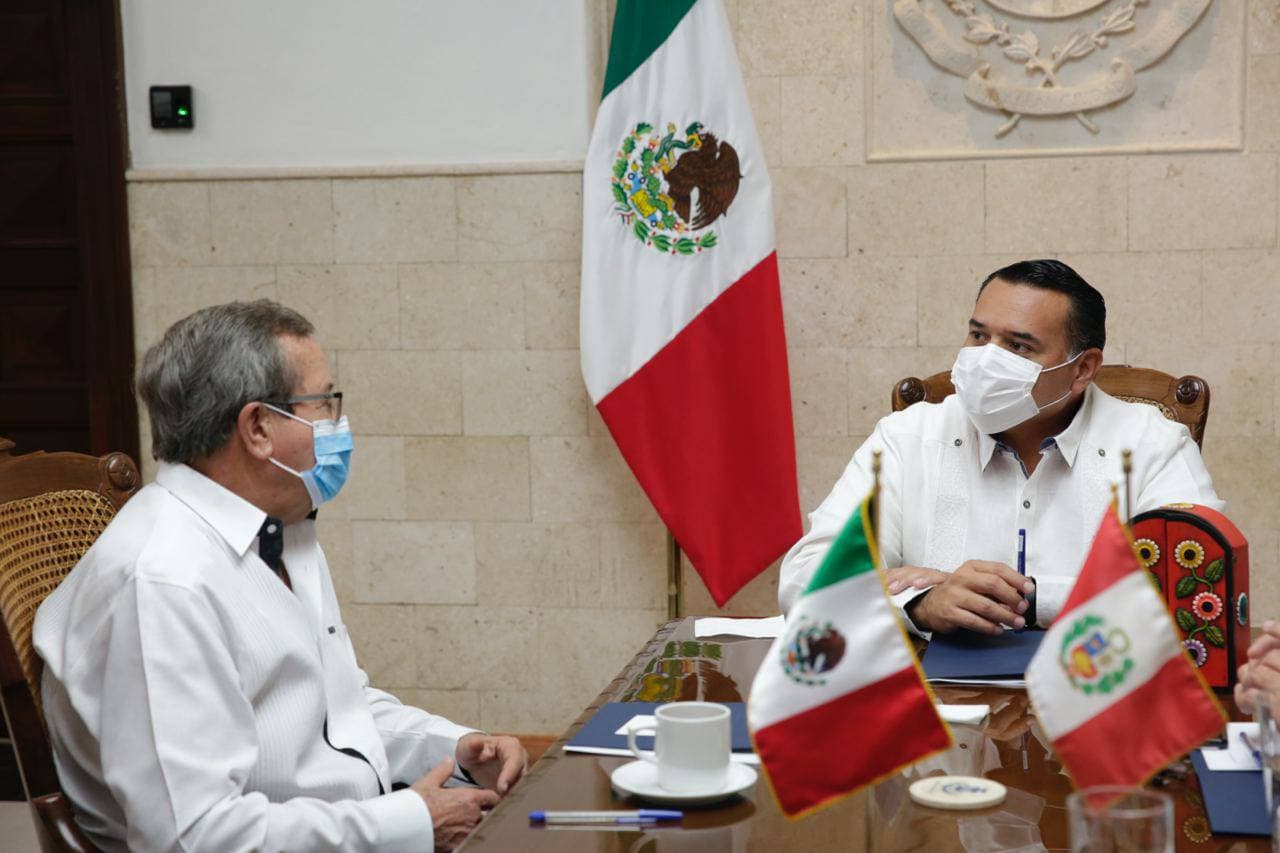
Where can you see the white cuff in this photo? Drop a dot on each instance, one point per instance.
(901, 600)
(404, 822)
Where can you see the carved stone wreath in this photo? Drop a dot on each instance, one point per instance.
(1007, 67)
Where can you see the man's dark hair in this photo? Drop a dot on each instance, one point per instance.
(1087, 319)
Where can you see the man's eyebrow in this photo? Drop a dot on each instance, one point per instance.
(1025, 336)
(974, 324)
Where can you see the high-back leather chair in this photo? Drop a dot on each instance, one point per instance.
(1185, 399)
(52, 508)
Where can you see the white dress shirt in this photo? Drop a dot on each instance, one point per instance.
(196, 703)
(951, 494)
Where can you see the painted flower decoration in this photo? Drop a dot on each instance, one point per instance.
(1148, 552)
(1198, 652)
(1207, 606)
(1196, 828)
(1189, 554)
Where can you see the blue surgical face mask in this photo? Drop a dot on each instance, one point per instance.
(332, 443)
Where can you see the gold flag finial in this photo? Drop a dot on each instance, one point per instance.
(1126, 465)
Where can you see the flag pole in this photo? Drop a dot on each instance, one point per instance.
(875, 493)
(1126, 457)
(675, 591)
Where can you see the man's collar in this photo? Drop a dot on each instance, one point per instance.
(1068, 440)
(236, 520)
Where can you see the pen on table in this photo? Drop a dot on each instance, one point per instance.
(1022, 554)
(1249, 744)
(609, 816)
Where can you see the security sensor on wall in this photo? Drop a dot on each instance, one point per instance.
(171, 107)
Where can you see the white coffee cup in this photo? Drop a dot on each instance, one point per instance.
(691, 746)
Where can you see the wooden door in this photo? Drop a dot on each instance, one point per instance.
(66, 330)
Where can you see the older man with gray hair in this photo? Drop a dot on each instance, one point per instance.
(200, 688)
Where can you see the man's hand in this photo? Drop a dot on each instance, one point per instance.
(979, 596)
(494, 762)
(1261, 675)
(915, 577)
(454, 811)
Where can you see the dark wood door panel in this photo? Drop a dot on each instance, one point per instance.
(40, 337)
(31, 267)
(44, 407)
(66, 332)
(37, 194)
(27, 120)
(32, 57)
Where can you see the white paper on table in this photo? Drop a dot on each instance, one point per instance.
(1236, 755)
(963, 715)
(724, 626)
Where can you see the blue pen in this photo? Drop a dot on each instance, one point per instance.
(1022, 552)
(640, 816)
(1248, 743)
(1022, 555)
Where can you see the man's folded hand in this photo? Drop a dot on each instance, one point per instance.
(980, 596)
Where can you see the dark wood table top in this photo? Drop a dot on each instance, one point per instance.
(675, 666)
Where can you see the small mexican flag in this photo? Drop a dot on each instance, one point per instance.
(839, 702)
(1111, 672)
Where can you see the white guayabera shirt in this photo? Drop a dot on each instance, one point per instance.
(950, 494)
(196, 703)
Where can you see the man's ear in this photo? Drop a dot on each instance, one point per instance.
(1087, 367)
(254, 430)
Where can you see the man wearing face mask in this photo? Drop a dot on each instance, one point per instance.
(200, 688)
(1027, 442)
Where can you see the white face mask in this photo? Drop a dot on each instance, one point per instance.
(994, 387)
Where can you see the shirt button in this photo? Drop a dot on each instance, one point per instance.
(1026, 504)
(959, 442)
(1101, 452)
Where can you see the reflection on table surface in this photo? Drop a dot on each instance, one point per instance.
(674, 666)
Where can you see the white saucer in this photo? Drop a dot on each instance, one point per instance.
(640, 779)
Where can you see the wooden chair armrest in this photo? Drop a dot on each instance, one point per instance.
(56, 827)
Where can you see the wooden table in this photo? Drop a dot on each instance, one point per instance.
(675, 666)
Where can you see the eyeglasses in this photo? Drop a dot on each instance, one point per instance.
(331, 401)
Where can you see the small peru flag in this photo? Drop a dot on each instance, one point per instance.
(1113, 687)
(839, 702)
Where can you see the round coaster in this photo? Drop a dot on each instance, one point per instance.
(957, 792)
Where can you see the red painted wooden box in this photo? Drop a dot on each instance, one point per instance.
(1201, 563)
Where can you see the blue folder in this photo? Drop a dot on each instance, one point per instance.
(598, 732)
(966, 654)
(1233, 799)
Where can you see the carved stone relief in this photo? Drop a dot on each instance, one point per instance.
(955, 78)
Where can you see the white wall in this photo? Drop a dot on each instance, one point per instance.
(286, 83)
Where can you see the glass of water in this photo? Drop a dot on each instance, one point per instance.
(1114, 818)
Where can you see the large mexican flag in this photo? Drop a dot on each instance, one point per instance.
(839, 701)
(1111, 671)
(683, 349)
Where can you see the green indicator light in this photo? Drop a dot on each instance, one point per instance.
(182, 111)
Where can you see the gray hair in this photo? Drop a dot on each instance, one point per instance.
(208, 366)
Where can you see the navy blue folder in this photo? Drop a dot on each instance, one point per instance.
(966, 654)
(598, 732)
(1233, 799)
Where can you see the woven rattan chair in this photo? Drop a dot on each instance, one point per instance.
(1185, 400)
(52, 508)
